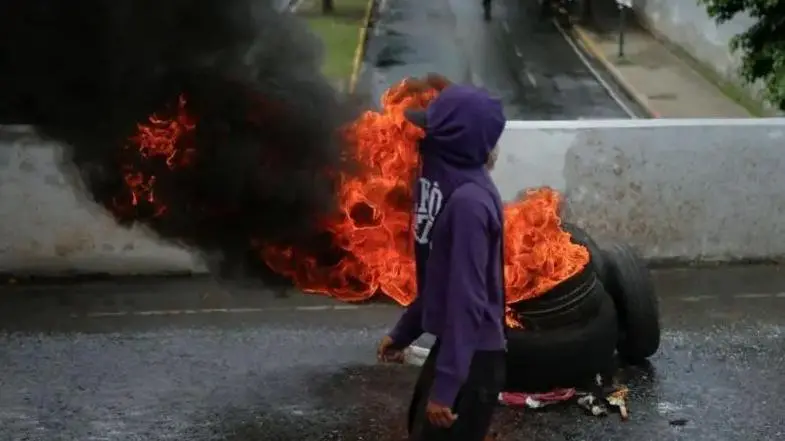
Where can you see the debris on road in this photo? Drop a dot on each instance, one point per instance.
(415, 355)
(535, 400)
(592, 404)
(596, 406)
(618, 399)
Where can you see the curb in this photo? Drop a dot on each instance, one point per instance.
(360, 51)
(591, 47)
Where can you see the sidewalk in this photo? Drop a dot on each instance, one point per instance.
(661, 82)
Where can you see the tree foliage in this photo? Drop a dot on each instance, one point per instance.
(762, 46)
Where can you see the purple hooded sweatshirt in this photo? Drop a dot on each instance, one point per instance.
(458, 237)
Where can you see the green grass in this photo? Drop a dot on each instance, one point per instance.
(340, 32)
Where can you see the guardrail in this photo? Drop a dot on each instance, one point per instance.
(679, 190)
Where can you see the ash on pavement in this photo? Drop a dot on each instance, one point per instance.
(187, 360)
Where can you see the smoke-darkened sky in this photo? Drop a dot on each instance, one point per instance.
(266, 141)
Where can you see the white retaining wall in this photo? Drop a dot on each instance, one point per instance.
(686, 24)
(48, 226)
(678, 189)
(684, 190)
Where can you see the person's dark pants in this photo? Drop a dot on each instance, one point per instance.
(475, 405)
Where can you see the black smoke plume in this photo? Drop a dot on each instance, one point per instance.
(267, 142)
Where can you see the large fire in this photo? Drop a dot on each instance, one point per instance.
(373, 225)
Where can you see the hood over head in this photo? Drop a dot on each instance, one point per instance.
(462, 126)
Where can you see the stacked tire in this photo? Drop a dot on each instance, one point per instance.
(572, 333)
(629, 283)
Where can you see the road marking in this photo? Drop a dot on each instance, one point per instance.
(350, 307)
(506, 27)
(753, 296)
(743, 296)
(518, 51)
(170, 312)
(608, 88)
(693, 299)
(531, 78)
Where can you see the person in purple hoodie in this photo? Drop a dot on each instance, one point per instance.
(458, 233)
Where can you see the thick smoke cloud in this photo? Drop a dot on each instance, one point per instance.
(267, 142)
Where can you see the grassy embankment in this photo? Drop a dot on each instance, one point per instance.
(340, 32)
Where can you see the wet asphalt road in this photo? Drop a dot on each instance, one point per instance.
(186, 360)
(520, 57)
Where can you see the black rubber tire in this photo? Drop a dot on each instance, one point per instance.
(581, 237)
(572, 302)
(630, 285)
(539, 361)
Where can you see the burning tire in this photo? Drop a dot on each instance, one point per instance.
(629, 284)
(574, 301)
(541, 360)
(581, 237)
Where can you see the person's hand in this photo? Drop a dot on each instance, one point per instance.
(387, 353)
(440, 416)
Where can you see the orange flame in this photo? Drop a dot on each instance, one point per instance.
(538, 253)
(373, 225)
(160, 138)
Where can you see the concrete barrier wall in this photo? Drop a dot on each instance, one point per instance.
(47, 225)
(681, 190)
(678, 189)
